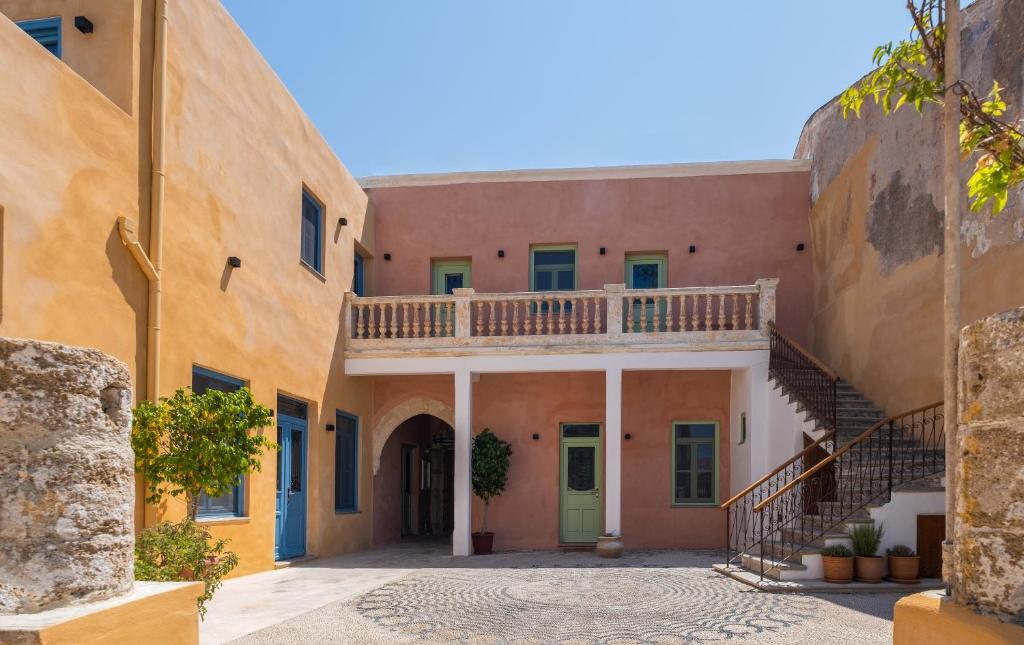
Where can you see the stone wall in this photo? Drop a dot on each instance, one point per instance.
(66, 476)
(988, 567)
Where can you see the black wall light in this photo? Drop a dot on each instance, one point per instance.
(536, 436)
(83, 24)
(628, 436)
(800, 246)
(501, 253)
(602, 250)
(342, 221)
(330, 427)
(693, 248)
(387, 257)
(234, 262)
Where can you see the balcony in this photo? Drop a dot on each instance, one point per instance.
(613, 319)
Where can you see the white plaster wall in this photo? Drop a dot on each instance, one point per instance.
(740, 472)
(899, 516)
(787, 428)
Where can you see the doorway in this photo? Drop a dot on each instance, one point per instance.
(290, 521)
(580, 483)
(646, 272)
(449, 275)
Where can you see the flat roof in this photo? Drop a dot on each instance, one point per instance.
(700, 169)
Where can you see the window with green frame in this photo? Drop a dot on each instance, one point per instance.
(694, 462)
(553, 268)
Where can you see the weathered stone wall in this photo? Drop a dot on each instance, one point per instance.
(988, 567)
(876, 227)
(66, 476)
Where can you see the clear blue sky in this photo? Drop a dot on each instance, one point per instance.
(403, 86)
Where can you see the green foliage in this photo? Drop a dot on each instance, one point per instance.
(491, 460)
(182, 551)
(866, 539)
(1000, 167)
(837, 551)
(195, 443)
(901, 551)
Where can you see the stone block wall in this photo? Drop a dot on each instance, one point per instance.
(66, 476)
(988, 565)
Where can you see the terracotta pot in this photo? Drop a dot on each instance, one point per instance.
(870, 568)
(609, 546)
(839, 570)
(483, 543)
(904, 568)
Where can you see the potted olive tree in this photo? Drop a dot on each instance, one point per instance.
(866, 539)
(491, 460)
(904, 564)
(837, 562)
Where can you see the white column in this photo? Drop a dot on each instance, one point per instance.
(613, 451)
(461, 542)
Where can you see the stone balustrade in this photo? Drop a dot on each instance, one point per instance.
(702, 317)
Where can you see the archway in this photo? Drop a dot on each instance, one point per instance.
(400, 413)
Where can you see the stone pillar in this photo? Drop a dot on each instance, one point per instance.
(988, 563)
(67, 487)
(463, 493)
(766, 288)
(613, 451)
(613, 312)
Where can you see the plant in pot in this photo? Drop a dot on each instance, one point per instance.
(491, 460)
(904, 564)
(837, 562)
(866, 539)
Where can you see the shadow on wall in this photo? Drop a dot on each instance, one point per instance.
(133, 286)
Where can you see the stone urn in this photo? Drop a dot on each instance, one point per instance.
(609, 546)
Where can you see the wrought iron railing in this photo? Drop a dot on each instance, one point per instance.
(895, 451)
(742, 533)
(805, 377)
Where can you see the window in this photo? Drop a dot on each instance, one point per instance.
(553, 268)
(231, 503)
(358, 276)
(46, 32)
(449, 275)
(695, 463)
(346, 463)
(312, 224)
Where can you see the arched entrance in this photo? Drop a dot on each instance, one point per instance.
(413, 484)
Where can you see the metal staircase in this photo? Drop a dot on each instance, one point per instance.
(861, 457)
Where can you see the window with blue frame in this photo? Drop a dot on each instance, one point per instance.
(45, 31)
(312, 232)
(357, 276)
(346, 463)
(231, 503)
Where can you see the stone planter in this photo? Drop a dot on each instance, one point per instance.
(609, 546)
(904, 569)
(870, 568)
(838, 570)
(483, 543)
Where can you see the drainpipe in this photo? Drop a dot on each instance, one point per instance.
(156, 205)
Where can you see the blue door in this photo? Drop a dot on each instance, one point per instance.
(291, 488)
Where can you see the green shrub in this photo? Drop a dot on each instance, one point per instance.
(491, 460)
(837, 551)
(183, 551)
(866, 539)
(901, 551)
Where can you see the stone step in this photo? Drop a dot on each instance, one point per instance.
(774, 569)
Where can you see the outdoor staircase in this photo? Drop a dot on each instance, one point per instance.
(777, 526)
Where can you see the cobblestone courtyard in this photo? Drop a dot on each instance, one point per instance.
(653, 597)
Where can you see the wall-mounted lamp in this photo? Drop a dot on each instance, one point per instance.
(387, 257)
(83, 24)
(501, 253)
(800, 246)
(602, 250)
(234, 262)
(342, 221)
(628, 436)
(330, 427)
(536, 436)
(693, 248)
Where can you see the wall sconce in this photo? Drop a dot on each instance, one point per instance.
(330, 427)
(342, 221)
(83, 24)
(800, 246)
(602, 250)
(234, 262)
(536, 436)
(387, 257)
(628, 436)
(693, 248)
(501, 253)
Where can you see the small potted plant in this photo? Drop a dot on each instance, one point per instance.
(866, 539)
(904, 564)
(837, 562)
(491, 460)
(609, 545)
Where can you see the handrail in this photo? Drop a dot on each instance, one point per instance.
(838, 453)
(800, 348)
(817, 444)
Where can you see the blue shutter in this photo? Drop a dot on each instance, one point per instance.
(46, 32)
(357, 276)
(346, 463)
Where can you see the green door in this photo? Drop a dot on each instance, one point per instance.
(646, 272)
(580, 482)
(450, 275)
